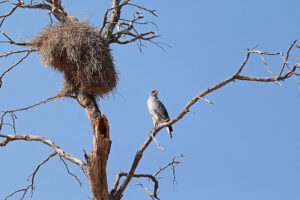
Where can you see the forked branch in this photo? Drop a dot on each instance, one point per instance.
(11, 138)
(153, 178)
(53, 6)
(31, 185)
(29, 107)
(13, 66)
(126, 27)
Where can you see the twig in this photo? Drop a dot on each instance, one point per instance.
(141, 23)
(17, 51)
(50, 18)
(11, 41)
(143, 8)
(108, 26)
(29, 107)
(173, 163)
(36, 170)
(8, 14)
(13, 118)
(31, 185)
(69, 172)
(54, 7)
(148, 192)
(266, 64)
(157, 143)
(268, 68)
(24, 190)
(137, 37)
(14, 65)
(287, 57)
(119, 33)
(159, 45)
(104, 20)
(5, 124)
(208, 101)
(116, 184)
(1, 124)
(151, 177)
(264, 52)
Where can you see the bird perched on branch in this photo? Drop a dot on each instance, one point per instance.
(158, 111)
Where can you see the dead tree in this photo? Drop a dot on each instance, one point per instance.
(113, 30)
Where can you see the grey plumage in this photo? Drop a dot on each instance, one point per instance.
(158, 111)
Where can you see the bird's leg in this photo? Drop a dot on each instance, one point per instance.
(156, 124)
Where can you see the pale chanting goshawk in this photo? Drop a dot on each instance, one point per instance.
(158, 111)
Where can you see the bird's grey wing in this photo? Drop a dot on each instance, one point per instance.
(161, 110)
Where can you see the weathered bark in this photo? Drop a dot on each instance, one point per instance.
(96, 162)
(97, 159)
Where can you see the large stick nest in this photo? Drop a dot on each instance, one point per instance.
(78, 50)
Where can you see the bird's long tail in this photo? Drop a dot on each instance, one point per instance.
(170, 129)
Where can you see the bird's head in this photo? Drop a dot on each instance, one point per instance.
(154, 93)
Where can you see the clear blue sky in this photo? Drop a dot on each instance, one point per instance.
(246, 146)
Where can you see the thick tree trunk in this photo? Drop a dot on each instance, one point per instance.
(97, 159)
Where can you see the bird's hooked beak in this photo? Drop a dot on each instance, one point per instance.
(154, 92)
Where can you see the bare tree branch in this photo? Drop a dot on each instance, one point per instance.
(158, 144)
(129, 26)
(37, 169)
(143, 8)
(17, 51)
(141, 23)
(14, 65)
(76, 161)
(116, 184)
(113, 19)
(11, 41)
(24, 190)
(69, 172)
(54, 7)
(8, 14)
(104, 20)
(207, 100)
(31, 185)
(14, 117)
(29, 107)
(173, 163)
(287, 57)
(36, 5)
(148, 192)
(151, 177)
(126, 26)
(137, 37)
(186, 109)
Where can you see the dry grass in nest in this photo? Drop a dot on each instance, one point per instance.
(78, 50)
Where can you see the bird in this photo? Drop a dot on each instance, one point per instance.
(158, 111)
